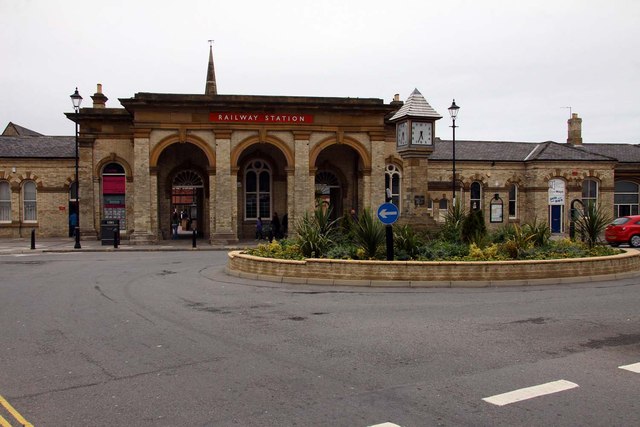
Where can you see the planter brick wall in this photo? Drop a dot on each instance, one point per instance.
(434, 274)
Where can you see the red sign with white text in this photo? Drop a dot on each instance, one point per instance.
(261, 118)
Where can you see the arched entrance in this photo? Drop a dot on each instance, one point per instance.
(339, 179)
(328, 193)
(187, 198)
(183, 187)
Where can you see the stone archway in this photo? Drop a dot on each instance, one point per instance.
(183, 183)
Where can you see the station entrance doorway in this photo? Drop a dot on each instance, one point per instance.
(187, 197)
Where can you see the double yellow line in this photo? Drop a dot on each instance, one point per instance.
(14, 413)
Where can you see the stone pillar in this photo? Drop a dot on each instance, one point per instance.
(142, 231)
(225, 191)
(153, 204)
(212, 201)
(300, 184)
(374, 179)
(88, 228)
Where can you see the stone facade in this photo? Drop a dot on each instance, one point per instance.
(225, 160)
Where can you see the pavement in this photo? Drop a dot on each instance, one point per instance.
(66, 244)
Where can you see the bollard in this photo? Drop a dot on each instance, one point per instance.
(193, 239)
(33, 238)
(116, 237)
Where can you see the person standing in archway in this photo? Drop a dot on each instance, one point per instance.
(175, 220)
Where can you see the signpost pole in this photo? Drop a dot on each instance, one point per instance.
(389, 235)
(388, 214)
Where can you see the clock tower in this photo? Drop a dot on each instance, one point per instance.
(415, 132)
(415, 126)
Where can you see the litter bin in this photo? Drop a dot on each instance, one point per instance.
(108, 229)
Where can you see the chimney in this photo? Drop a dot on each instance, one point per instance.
(575, 130)
(396, 100)
(99, 100)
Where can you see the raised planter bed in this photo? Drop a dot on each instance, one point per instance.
(434, 273)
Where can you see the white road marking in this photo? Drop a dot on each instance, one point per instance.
(633, 368)
(530, 392)
(387, 424)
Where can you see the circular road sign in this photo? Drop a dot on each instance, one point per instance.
(388, 213)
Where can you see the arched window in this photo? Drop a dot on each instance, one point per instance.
(113, 193)
(513, 201)
(475, 196)
(29, 195)
(257, 190)
(589, 191)
(625, 199)
(392, 179)
(5, 201)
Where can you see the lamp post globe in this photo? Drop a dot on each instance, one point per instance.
(453, 112)
(76, 100)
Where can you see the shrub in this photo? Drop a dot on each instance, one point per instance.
(406, 242)
(473, 228)
(592, 222)
(369, 234)
(312, 241)
(437, 250)
(451, 230)
(539, 231)
(282, 249)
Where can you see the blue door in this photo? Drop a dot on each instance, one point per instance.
(556, 218)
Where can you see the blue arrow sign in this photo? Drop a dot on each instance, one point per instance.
(388, 213)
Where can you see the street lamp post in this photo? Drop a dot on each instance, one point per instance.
(453, 112)
(76, 99)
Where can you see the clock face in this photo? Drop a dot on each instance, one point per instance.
(421, 133)
(401, 134)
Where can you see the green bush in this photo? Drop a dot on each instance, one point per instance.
(312, 241)
(439, 250)
(451, 230)
(369, 234)
(406, 242)
(592, 222)
(473, 229)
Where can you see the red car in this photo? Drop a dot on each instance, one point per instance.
(625, 229)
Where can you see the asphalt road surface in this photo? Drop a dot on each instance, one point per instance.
(168, 339)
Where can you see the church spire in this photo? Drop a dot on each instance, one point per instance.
(211, 88)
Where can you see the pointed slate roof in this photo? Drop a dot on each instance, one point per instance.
(211, 87)
(416, 106)
(13, 129)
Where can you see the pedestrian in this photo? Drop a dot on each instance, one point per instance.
(354, 215)
(259, 235)
(275, 225)
(175, 220)
(73, 223)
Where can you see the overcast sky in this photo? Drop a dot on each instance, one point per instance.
(512, 66)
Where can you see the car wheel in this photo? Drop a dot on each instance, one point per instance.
(635, 241)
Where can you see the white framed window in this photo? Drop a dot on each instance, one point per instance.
(5, 201)
(589, 191)
(513, 201)
(475, 196)
(29, 198)
(392, 181)
(257, 190)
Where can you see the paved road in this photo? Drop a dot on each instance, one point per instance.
(166, 339)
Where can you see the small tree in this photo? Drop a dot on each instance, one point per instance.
(592, 222)
(473, 227)
(451, 230)
(369, 233)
